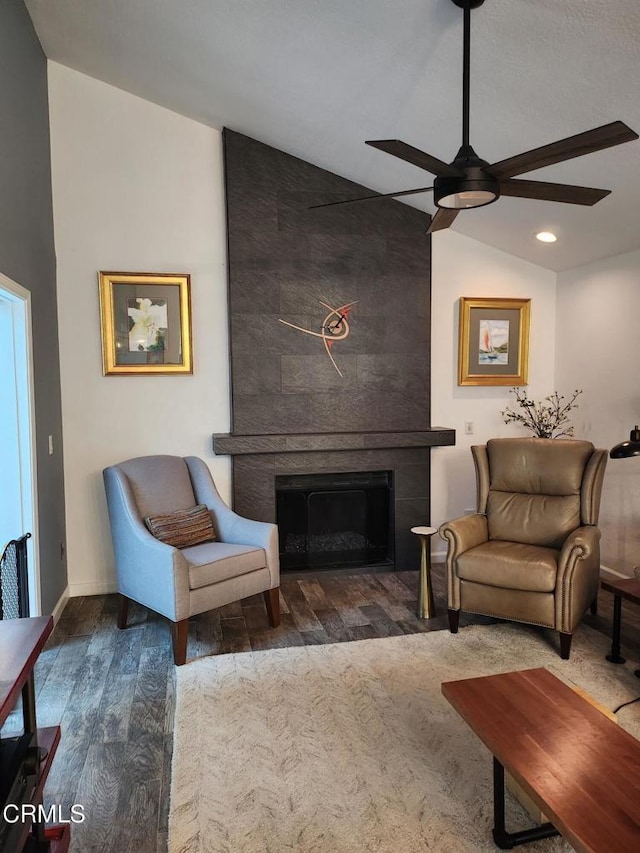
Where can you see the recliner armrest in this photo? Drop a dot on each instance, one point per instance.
(578, 576)
(579, 546)
(464, 533)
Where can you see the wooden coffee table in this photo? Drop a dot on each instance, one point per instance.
(578, 766)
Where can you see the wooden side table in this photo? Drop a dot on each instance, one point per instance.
(629, 590)
(21, 641)
(426, 606)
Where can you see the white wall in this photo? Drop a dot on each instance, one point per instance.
(465, 267)
(135, 188)
(598, 318)
(138, 188)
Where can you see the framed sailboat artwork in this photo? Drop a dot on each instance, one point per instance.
(493, 342)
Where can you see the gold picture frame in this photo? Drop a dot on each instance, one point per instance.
(493, 341)
(145, 323)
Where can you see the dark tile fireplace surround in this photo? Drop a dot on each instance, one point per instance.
(299, 407)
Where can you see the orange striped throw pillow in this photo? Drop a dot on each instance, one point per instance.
(184, 527)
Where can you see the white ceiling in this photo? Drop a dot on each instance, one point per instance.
(316, 78)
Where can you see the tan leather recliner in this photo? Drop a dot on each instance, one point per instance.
(531, 552)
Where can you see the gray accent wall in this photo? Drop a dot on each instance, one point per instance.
(292, 411)
(284, 260)
(27, 256)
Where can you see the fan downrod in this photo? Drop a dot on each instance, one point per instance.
(472, 4)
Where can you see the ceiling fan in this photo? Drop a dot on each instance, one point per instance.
(469, 181)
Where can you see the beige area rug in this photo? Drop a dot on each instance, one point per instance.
(351, 748)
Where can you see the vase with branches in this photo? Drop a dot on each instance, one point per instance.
(548, 418)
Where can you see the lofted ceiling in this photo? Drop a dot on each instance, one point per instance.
(316, 78)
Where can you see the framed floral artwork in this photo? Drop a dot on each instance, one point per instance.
(493, 342)
(146, 323)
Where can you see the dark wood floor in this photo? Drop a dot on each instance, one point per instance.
(112, 691)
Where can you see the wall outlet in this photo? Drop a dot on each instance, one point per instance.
(468, 427)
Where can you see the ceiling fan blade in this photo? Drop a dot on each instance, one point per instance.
(565, 149)
(567, 193)
(415, 157)
(443, 219)
(369, 197)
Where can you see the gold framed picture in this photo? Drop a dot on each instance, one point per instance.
(146, 323)
(493, 342)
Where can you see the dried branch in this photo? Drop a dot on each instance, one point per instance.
(546, 419)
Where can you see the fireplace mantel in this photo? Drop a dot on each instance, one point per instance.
(228, 444)
(258, 460)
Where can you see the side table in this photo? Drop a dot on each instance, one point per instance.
(629, 590)
(426, 606)
(21, 641)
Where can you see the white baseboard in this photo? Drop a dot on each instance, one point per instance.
(91, 588)
(57, 610)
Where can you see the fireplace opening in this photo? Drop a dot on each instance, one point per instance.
(334, 520)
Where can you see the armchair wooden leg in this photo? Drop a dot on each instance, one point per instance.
(593, 607)
(123, 611)
(180, 632)
(272, 600)
(454, 619)
(565, 645)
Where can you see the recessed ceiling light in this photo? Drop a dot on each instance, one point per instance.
(546, 237)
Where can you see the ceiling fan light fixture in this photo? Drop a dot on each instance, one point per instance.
(463, 193)
(466, 199)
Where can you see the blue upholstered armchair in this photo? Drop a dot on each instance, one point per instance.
(180, 582)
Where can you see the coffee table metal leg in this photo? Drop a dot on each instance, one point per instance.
(615, 656)
(508, 840)
(500, 834)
